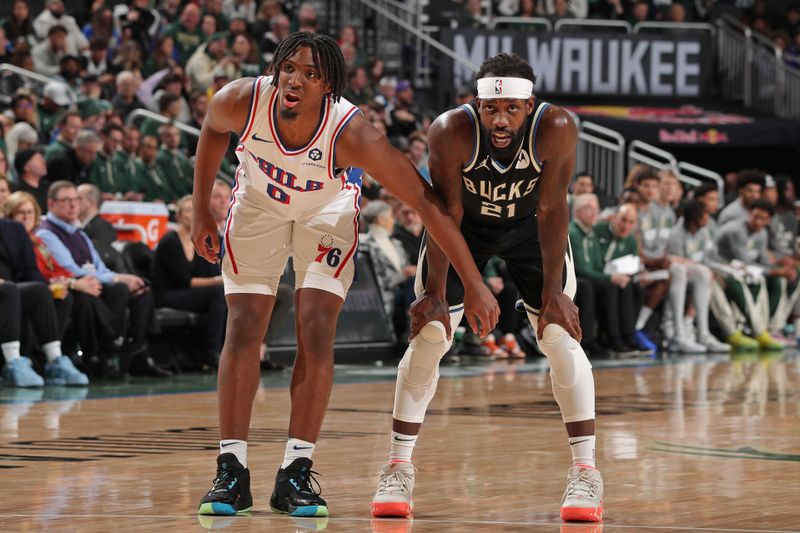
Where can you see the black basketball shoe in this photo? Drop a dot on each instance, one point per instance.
(293, 492)
(230, 493)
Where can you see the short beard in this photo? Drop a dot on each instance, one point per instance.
(288, 114)
(507, 154)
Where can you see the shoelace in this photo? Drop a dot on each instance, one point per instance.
(584, 486)
(396, 481)
(223, 480)
(305, 482)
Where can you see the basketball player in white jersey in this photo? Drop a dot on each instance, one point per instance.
(503, 165)
(296, 193)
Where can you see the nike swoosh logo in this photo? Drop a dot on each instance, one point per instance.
(228, 444)
(574, 443)
(296, 447)
(257, 138)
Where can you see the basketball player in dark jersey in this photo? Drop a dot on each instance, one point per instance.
(502, 165)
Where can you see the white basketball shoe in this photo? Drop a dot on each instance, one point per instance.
(583, 499)
(393, 497)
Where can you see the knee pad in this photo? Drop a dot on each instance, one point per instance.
(570, 374)
(418, 373)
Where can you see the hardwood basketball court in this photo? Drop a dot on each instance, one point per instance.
(687, 444)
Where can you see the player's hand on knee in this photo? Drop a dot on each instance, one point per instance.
(560, 309)
(481, 309)
(428, 308)
(205, 235)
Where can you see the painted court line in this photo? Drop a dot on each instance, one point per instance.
(270, 516)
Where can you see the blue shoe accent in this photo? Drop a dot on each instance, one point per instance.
(19, 373)
(63, 372)
(643, 342)
(216, 508)
(310, 510)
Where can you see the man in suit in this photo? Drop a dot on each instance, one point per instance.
(24, 295)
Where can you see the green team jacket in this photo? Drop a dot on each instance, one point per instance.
(610, 246)
(585, 253)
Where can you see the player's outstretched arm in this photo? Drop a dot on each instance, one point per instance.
(555, 146)
(227, 112)
(363, 146)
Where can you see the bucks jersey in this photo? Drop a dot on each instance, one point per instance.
(495, 194)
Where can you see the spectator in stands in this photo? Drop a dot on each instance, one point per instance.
(210, 58)
(69, 125)
(502, 343)
(745, 241)
(676, 13)
(75, 164)
(307, 18)
(55, 15)
(245, 57)
(96, 227)
(173, 83)
(558, 9)
(20, 25)
(279, 28)
(349, 35)
(749, 183)
(184, 280)
(609, 297)
(358, 90)
(708, 194)
(615, 239)
(392, 267)
(245, 9)
(655, 222)
(123, 293)
(470, 16)
(5, 189)
(169, 105)
(21, 136)
(69, 70)
(418, 153)
(86, 311)
(163, 57)
(640, 12)
(25, 296)
(23, 105)
(48, 53)
(103, 173)
(100, 28)
(409, 231)
(214, 8)
(126, 101)
(55, 101)
(94, 112)
(175, 166)
(783, 227)
(208, 25)
(220, 203)
(403, 116)
(149, 181)
(31, 171)
(689, 242)
(670, 189)
(186, 33)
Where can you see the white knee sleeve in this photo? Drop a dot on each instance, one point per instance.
(570, 374)
(418, 372)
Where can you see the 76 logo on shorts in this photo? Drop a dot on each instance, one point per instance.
(326, 251)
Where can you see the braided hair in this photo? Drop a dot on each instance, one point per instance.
(327, 57)
(506, 65)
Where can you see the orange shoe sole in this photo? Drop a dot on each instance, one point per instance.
(391, 509)
(582, 514)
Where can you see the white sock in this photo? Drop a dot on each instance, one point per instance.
(52, 350)
(236, 447)
(401, 447)
(582, 449)
(644, 316)
(295, 449)
(10, 350)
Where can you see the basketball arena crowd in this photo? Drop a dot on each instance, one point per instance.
(660, 268)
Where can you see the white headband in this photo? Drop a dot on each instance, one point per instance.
(504, 88)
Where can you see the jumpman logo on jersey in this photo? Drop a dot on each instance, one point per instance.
(484, 164)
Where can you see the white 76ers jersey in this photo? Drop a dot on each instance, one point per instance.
(283, 180)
